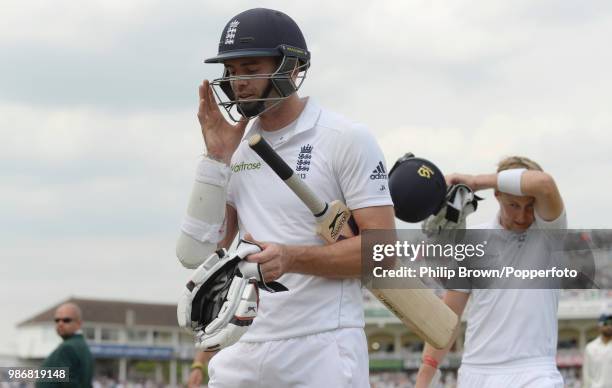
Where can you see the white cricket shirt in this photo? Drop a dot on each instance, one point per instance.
(512, 328)
(338, 159)
(597, 365)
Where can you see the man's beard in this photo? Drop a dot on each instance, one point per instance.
(251, 109)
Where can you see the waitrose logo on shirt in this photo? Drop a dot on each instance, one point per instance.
(242, 166)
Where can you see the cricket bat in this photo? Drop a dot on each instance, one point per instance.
(333, 219)
(417, 307)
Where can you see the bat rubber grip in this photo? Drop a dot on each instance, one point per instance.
(316, 206)
(276, 163)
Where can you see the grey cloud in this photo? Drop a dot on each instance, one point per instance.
(134, 78)
(155, 63)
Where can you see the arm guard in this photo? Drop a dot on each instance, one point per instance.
(203, 226)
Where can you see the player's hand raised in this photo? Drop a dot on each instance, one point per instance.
(221, 137)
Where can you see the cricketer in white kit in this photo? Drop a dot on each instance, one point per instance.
(511, 335)
(314, 332)
(311, 335)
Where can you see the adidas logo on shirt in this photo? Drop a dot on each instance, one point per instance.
(379, 172)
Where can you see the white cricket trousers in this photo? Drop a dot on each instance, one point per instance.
(535, 377)
(331, 359)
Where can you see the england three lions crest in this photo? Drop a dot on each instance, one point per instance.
(302, 165)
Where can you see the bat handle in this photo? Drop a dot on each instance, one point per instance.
(272, 159)
(317, 206)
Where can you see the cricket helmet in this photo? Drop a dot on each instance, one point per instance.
(418, 188)
(261, 32)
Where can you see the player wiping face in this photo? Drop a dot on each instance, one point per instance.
(261, 87)
(511, 333)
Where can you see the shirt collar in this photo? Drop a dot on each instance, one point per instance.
(306, 120)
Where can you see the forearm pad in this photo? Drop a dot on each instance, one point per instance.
(204, 224)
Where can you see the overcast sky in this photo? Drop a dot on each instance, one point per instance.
(99, 138)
